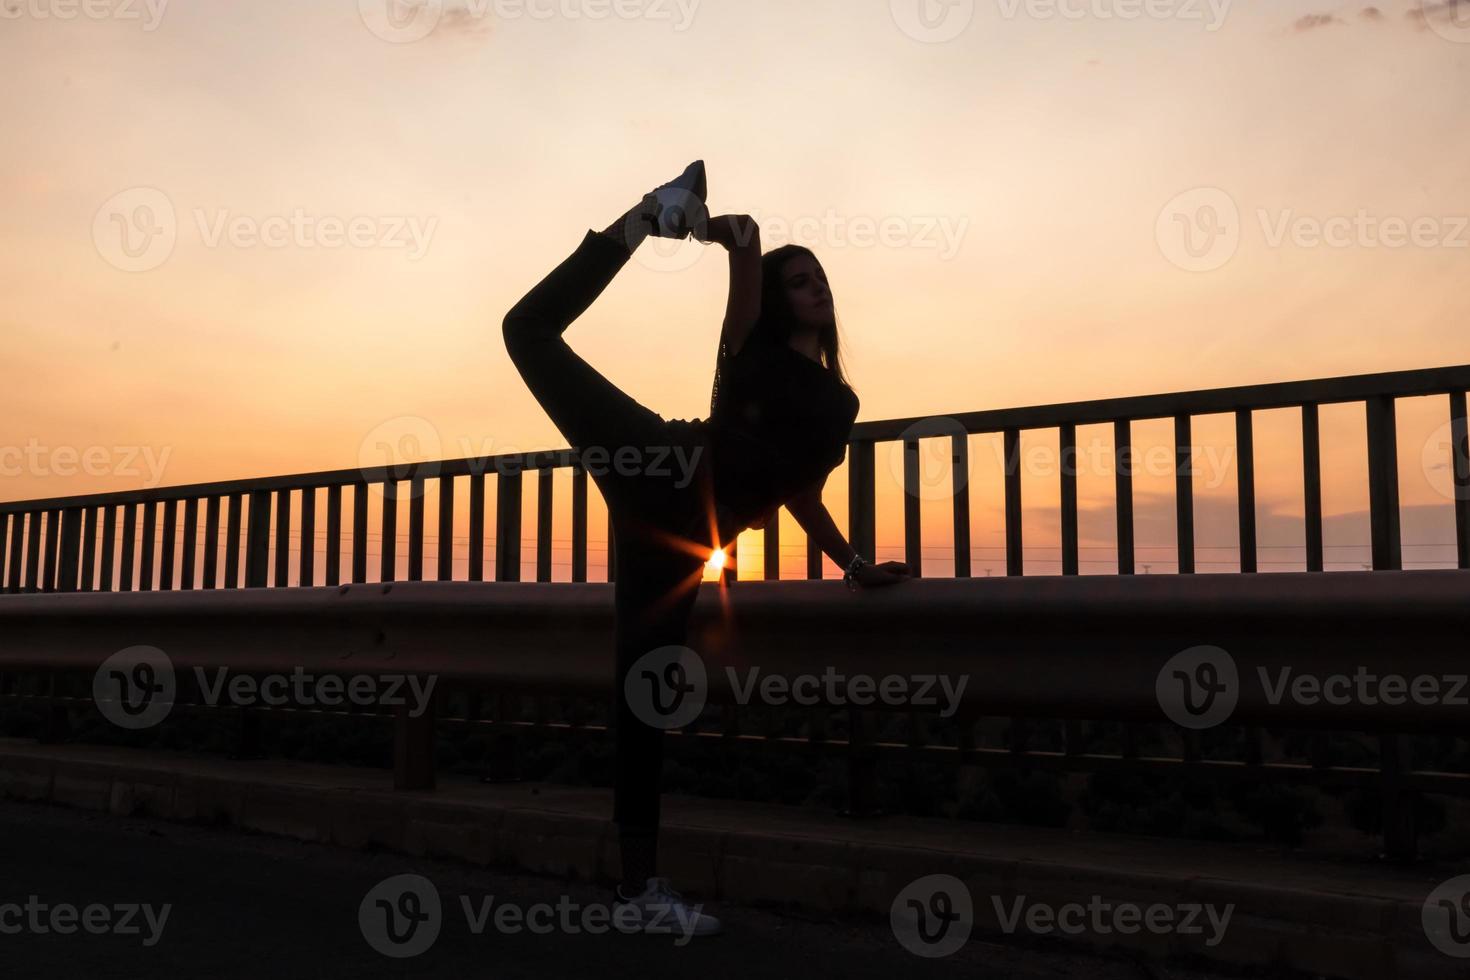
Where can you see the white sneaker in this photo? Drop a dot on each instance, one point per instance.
(661, 909)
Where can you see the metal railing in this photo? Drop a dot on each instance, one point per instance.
(64, 554)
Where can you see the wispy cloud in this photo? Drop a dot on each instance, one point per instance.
(1419, 14)
(1311, 22)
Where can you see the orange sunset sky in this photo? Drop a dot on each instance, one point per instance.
(1017, 202)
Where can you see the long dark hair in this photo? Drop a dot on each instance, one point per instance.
(776, 322)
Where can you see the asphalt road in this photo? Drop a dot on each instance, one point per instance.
(145, 898)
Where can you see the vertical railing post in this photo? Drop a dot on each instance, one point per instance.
(145, 560)
(1383, 483)
(1067, 454)
(959, 446)
(1015, 552)
(445, 559)
(69, 559)
(166, 553)
(13, 563)
(579, 522)
(232, 541)
(1184, 492)
(861, 520)
(191, 536)
(130, 532)
(508, 521)
(913, 554)
(333, 570)
(359, 530)
(257, 540)
(416, 528)
(1460, 469)
(544, 477)
(1123, 492)
(306, 563)
(1245, 482)
(772, 545)
(106, 576)
(388, 533)
(211, 542)
(283, 537)
(33, 551)
(1312, 485)
(476, 556)
(48, 569)
(88, 556)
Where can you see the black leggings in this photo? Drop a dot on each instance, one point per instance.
(655, 583)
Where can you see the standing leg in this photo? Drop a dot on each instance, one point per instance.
(655, 593)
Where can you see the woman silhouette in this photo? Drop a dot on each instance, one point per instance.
(780, 415)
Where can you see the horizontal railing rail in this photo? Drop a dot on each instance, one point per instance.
(72, 542)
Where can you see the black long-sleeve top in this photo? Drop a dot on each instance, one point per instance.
(779, 421)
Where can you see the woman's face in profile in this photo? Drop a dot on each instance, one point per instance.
(806, 290)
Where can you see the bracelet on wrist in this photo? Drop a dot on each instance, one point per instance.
(848, 575)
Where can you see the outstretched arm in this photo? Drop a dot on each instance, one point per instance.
(741, 236)
(812, 515)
